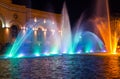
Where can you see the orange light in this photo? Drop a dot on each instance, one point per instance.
(7, 29)
(53, 22)
(44, 34)
(45, 30)
(35, 33)
(24, 31)
(53, 31)
(44, 21)
(23, 28)
(33, 29)
(60, 32)
(35, 19)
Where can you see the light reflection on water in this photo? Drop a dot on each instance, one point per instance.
(113, 67)
(61, 67)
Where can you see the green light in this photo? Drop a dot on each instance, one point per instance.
(54, 50)
(46, 54)
(10, 55)
(87, 51)
(37, 54)
(20, 55)
(71, 52)
(88, 47)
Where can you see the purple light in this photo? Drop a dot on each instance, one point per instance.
(46, 54)
(91, 50)
(103, 50)
(64, 52)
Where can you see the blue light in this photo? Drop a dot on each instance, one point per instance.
(60, 53)
(80, 37)
(78, 52)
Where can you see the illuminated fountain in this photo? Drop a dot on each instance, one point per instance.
(42, 37)
(99, 21)
(109, 34)
(102, 22)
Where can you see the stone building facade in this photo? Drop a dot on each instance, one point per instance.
(14, 17)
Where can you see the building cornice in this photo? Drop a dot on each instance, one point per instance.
(13, 7)
(43, 13)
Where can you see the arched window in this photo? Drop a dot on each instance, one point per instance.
(14, 31)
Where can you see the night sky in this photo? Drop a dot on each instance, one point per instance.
(75, 7)
(56, 5)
